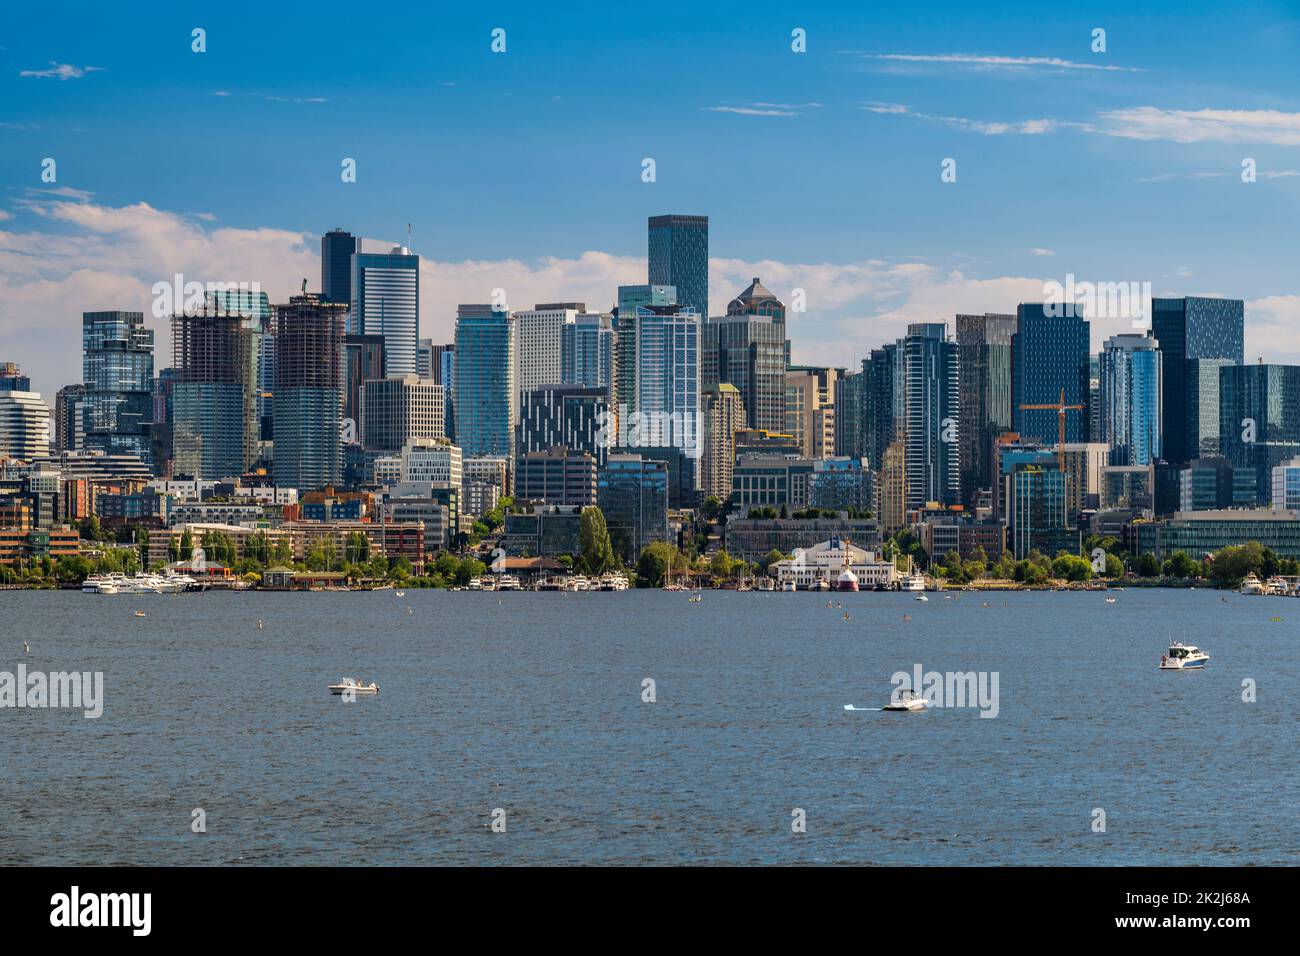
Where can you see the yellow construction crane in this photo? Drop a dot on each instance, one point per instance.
(1060, 408)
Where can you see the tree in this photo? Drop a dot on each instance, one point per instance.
(1071, 567)
(595, 551)
(656, 560)
(1180, 565)
(721, 565)
(711, 508)
(1114, 566)
(356, 548)
(771, 558)
(1147, 566)
(187, 545)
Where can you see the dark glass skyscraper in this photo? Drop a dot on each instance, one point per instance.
(932, 455)
(213, 407)
(336, 248)
(984, 353)
(1197, 337)
(117, 370)
(1259, 409)
(679, 256)
(1049, 356)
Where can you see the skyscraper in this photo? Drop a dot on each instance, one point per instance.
(117, 371)
(363, 360)
(1259, 411)
(1049, 357)
(24, 425)
(539, 334)
(309, 391)
(587, 351)
(679, 257)
(984, 353)
(336, 249)
(1130, 399)
(386, 301)
(1197, 337)
(667, 380)
(486, 398)
(398, 409)
(214, 412)
(810, 408)
(630, 298)
(747, 348)
(932, 430)
(724, 415)
(575, 417)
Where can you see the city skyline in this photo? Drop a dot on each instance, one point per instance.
(1109, 166)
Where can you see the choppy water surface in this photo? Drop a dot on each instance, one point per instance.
(533, 703)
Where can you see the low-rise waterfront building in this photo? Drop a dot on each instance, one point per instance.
(824, 562)
(753, 538)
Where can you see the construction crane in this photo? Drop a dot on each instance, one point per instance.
(1060, 408)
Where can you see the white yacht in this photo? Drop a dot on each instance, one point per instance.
(508, 582)
(577, 583)
(912, 582)
(103, 584)
(1183, 656)
(922, 597)
(1251, 585)
(787, 586)
(906, 700)
(353, 685)
(611, 582)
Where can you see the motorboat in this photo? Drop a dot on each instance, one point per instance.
(354, 686)
(922, 597)
(788, 586)
(1182, 657)
(1251, 584)
(906, 700)
(103, 584)
(508, 582)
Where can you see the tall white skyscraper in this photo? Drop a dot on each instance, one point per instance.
(667, 379)
(538, 336)
(386, 301)
(24, 425)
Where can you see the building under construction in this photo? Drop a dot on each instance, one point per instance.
(308, 391)
(214, 353)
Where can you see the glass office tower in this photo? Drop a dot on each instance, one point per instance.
(386, 301)
(1197, 337)
(1049, 357)
(336, 249)
(486, 409)
(1260, 418)
(1129, 415)
(117, 372)
(932, 443)
(984, 354)
(679, 256)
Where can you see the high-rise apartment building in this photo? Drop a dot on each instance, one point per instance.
(117, 372)
(931, 413)
(724, 415)
(214, 427)
(486, 397)
(1129, 399)
(984, 355)
(747, 348)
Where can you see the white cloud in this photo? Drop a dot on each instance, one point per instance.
(1016, 63)
(1205, 125)
(1042, 252)
(64, 71)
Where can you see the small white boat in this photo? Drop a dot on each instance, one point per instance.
(695, 598)
(1110, 600)
(1251, 584)
(922, 597)
(352, 684)
(787, 586)
(907, 700)
(1182, 657)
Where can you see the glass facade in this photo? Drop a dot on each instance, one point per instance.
(932, 457)
(1191, 330)
(1129, 399)
(117, 371)
(984, 354)
(632, 493)
(667, 380)
(630, 298)
(565, 416)
(679, 256)
(1260, 418)
(386, 301)
(1038, 516)
(336, 249)
(1049, 358)
(485, 385)
(309, 393)
(587, 351)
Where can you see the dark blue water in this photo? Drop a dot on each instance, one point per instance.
(532, 703)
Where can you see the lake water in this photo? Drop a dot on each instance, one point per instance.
(532, 703)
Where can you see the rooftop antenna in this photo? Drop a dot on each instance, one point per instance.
(408, 235)
(304, 286)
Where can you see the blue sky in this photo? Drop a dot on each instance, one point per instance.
(523, 169)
